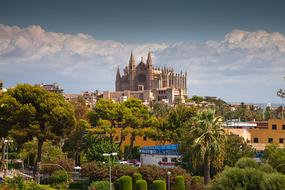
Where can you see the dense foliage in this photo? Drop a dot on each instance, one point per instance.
(248, 175)
(99, 185)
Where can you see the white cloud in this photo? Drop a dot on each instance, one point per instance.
(245, 60)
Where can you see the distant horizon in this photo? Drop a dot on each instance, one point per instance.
(236, 57)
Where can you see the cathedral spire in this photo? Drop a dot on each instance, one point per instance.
(149, 60)
(132, 61)
(118, 75)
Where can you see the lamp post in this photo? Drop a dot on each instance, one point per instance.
(6, 142)
(168, 180)
(110, 166)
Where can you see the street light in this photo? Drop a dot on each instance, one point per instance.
(168, 180)
(110, 166)
(6, 144)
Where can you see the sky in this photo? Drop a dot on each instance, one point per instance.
(234, 50)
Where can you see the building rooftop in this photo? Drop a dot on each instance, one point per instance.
(171, 149)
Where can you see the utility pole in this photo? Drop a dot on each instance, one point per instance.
(110, 167)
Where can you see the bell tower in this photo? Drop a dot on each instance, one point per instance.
(149, 71)
(132, 72)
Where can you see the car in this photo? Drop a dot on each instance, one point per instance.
(123, 162)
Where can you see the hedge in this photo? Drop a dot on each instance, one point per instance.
(125, 183)
(141, 185)
(158, 185)
(179, 183)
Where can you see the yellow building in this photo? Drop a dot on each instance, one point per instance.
(140, 140)
(274, 133)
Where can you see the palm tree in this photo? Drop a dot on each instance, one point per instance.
(208, 141)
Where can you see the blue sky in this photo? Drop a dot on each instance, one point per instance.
(231, 49)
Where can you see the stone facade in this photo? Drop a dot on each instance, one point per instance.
(145, 77)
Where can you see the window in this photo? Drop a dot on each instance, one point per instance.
(281, 140)
(270, 140)
(283, 127)
(144, 138)
(274, 127)
(255, 140)
(117, 138)
(173, 159)
(164, 159)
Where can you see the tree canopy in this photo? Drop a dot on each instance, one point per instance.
(39, 113)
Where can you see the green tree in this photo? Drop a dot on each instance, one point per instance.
(106, 116)
(275, 156)
(137, 118)
(74, 144)
(208, 141)
(80, 108)
(172, 127)
(42, 114)
(9, 110)
(95, 147)
(268, 114)
(273, 181)
(235, 148)
(50, 152)
(197, 99)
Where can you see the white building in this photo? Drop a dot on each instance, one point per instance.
(164, 155)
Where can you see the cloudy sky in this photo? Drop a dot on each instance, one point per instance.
(231, 49)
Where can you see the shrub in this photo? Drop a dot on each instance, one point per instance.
(82, 184)
(66, 163)
(266, 168)
(125, 183)
(236, 178)
(59, 179)
(20, 183)
(60, 176)
(273, 181)
(140, 185)
(159, 185)
(99, 185)
(197, 183)
(99, 171)
(246, 163)
(179, 183)
(151, 173)
(117, 184)
(136, 176)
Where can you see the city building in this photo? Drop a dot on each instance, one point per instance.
(273, 133)
(54, 87)
(165, 156)
(149, 83)
(258, 133)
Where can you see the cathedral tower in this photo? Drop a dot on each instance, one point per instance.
(149, 75)
(132, 72)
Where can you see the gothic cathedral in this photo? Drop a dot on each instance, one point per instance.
(145, 76)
